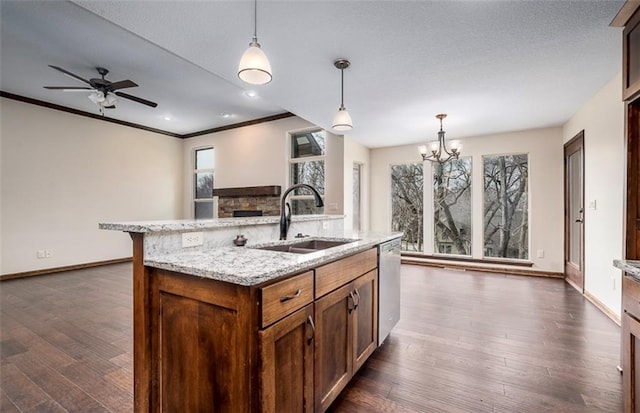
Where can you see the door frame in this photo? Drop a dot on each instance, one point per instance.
(569, 270)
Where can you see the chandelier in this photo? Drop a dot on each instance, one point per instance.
(439, 152)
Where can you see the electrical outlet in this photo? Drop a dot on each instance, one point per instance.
(40, 254)
(325, 224)
(48, 253)
(192, 239)
(540, 254)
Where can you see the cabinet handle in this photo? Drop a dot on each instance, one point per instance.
(291, 297)
(313, 330)
(357, 294)
(351, 302)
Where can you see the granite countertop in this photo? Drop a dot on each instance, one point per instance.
(250, 266)
(629, 266)
(191, 224)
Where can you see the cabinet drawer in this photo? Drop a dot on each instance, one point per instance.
(285, 297)
(338, 273)
(631, 295)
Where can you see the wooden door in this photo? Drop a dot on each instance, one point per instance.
(574, 211)
(333, 351)
(286, 373)
(365, 323)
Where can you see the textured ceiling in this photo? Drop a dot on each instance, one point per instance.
(493, 66)
(35, 34)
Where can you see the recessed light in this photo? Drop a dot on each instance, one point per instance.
(167, 118)
(225, 115)
(251, 93)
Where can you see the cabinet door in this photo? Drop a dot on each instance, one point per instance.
(333, 351)
(286, 373)
(365, 328)
(631, 363)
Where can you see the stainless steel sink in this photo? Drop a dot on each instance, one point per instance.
(305, 247)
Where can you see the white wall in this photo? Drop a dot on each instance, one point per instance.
(356, 153)
(62, 174)
(258, 155)
(602, 118)
(544, 147)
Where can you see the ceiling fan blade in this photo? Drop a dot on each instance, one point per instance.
(137, 99)
(123, 84)
(68, 88)
(68, 73)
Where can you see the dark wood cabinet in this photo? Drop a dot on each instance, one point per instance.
(629, 18)
(631, 357)
(199, 340)
(631, 343)
(631, 58)
(365, 340)
(212, 346)
(346, 327)
(286, 372)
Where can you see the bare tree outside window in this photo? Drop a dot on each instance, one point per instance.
(407, 189)
(506, 206)
(452, 207)
(307, 166)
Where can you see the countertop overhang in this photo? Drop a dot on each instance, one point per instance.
(249, 266)
(631, 267)
(204, 224)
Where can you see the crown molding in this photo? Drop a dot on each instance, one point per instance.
(53, 106)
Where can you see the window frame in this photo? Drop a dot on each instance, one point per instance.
(293, 161)
(433, 231)
(528, 203)
(423, 230)
(195, 171)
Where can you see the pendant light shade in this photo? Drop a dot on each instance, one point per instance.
(254, 67)
(342, 119)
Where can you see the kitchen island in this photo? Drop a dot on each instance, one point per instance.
(247, 329)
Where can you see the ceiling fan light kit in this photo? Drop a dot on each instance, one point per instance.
(103, 92)
(254, 67)
(439, 151)
(342, 120)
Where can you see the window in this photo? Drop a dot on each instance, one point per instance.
(506, 206)
(452, 207)
(203, 183)
(407, 189)
(307, 166)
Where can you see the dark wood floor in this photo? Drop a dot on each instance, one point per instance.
(467, 342)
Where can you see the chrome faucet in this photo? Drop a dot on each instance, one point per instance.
(285, 208)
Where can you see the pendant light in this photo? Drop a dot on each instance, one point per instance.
(254, 67)
(342, 120)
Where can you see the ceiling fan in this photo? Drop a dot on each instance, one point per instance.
(103, 91)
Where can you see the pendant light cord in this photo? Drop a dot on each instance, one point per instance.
(255, 21)
(342, 88)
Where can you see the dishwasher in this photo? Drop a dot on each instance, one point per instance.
(388, 287)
